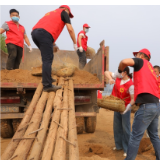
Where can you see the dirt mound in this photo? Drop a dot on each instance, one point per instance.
(111, 97)
(93, 158)
(25, 76)
(145, 145)
(19, 76)
(84, 77)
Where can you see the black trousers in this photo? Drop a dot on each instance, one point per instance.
(14, 56)
(82, 59)
(44, 42)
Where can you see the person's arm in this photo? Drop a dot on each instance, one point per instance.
(26, 40)
(108, 75)
(132, 100)
(71, 32)
(124, 63)
(28, 43)
(79, 40)
(2, 30)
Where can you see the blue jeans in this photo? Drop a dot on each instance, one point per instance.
(122, 129)
(145, 118)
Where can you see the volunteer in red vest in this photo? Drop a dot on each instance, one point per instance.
(16, 35)
(45, 33)
(157, 71)
(146, 96)
(82, 45)
(123, 89)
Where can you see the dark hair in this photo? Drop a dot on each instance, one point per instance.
(145, 56)
(128, 70)
(13, 10)
(156, 66)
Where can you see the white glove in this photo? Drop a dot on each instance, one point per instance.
(30, 48)
(80, 49)
(75, 46)
(117, 74)
(127, 108)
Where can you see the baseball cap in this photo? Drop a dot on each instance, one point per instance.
(65, 6)
(145, 51)
(86, 25)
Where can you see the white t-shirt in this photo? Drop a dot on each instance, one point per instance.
(131, 88)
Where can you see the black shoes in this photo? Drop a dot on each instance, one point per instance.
(51, 89)
(53, 80)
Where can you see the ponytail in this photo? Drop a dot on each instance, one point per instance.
(127, 70)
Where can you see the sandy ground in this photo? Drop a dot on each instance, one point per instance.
(98, 146)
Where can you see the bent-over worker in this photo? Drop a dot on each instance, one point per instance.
(45, 34)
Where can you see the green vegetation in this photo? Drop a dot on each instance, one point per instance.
(2, 41)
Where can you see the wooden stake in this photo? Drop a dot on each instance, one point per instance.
(9, 151)
(72, 135)
(35, 131)
(24, 138)
(38, 146)
(13, 157)
(60, 147)
(50, 141)
(25, 145)
(24, 126)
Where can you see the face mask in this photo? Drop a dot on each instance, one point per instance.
(16, 19)
(87, 30)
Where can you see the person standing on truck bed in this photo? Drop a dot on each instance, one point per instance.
(16, 35)
(82, 45)
(123, 89)
(147, 98)
(45, 34)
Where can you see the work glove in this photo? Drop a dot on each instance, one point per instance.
(127, 108)
(111, 81)
(117, 74)
(80, 49)
(30, 48)
(75, 46)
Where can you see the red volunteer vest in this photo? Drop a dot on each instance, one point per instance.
(83, 40)
(99, 96)
(122, 91)
(52, 23)
(159, 85)
(15, 35)
(145, 80)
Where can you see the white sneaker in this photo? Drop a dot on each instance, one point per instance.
(114, 148)
(125, 154)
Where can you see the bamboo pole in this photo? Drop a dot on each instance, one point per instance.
(37, 146)
(50, 141)
(60, 147)
(9, 151)
(72, 134)
(25, 145)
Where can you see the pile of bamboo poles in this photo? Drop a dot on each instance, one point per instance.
(48, 127)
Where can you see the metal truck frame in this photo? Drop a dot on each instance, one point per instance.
(16, 97)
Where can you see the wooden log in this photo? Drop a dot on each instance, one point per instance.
(25, 145)
(72, 134)
(9, 151)
(37, 146)
(60, 147)
(50, 141)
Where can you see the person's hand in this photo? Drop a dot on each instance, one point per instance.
(111, 81)
(117, 74)
(30, 48)
(75, 46)
(127, 108)
(80, 49)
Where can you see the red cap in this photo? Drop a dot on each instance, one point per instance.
(86, 25)
(65, 6)
(145, 51)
